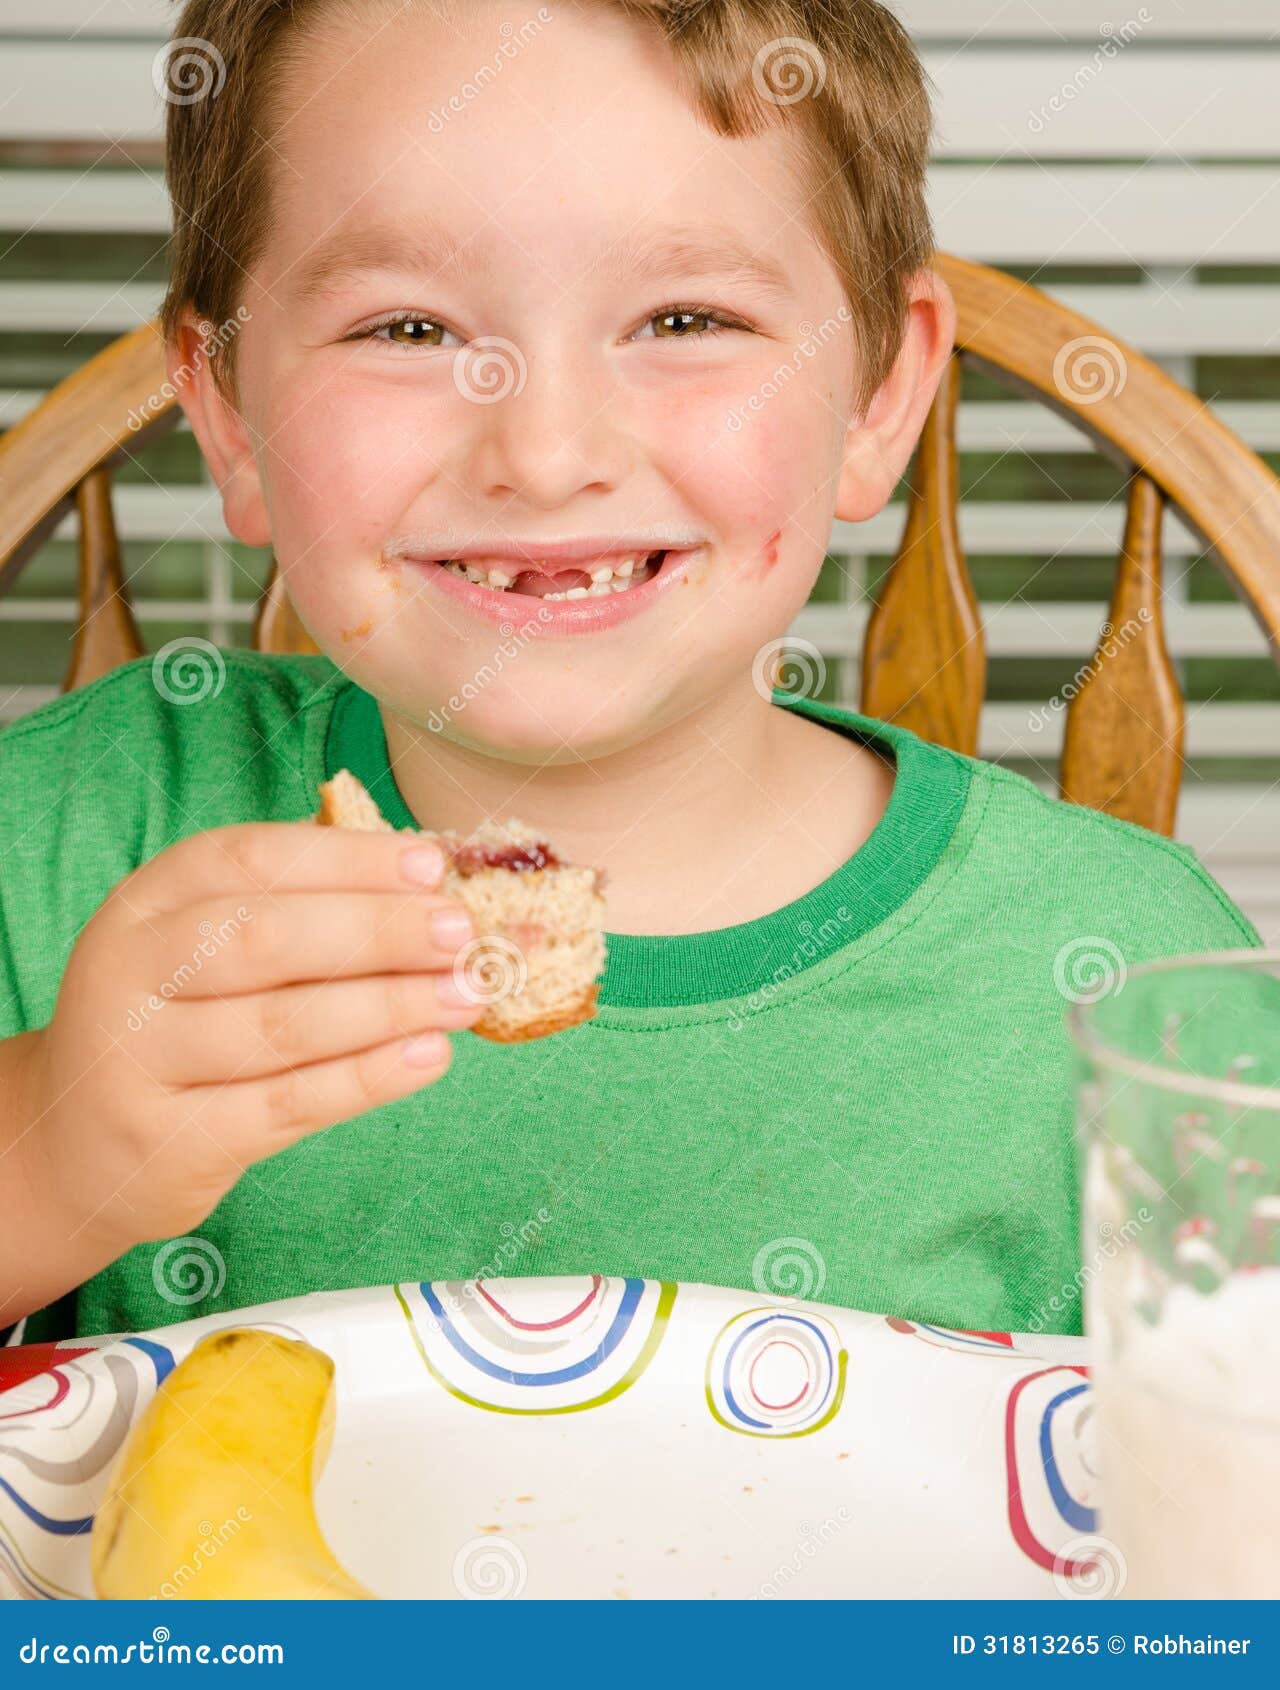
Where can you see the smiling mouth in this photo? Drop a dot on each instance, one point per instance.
(588, 581)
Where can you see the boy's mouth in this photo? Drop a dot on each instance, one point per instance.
(545, 580)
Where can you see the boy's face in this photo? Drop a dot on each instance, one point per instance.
(581, 412)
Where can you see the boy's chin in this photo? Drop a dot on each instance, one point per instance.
(545, 733)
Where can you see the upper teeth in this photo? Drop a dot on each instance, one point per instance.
(605, 577)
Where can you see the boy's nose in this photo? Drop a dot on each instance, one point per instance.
(555, 431)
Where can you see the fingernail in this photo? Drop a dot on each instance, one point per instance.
(451, 928)
(423, 865)
(453, 992)
(428, 1050)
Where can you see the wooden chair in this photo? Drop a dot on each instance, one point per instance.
(924, 660)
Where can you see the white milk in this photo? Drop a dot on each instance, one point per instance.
(1190, 1446)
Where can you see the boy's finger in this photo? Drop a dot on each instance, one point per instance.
(279, 856)
(260, 941)
(246, 1038)
(256, 1118)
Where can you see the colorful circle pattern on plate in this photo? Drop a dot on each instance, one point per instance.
(953, 1337)
(776, 1374)
(537, 1346)
(1052, 1464)
(78, 1411)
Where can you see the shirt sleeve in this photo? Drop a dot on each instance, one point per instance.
(98, 781)
(72, 819)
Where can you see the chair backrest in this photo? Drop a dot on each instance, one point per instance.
(924, 660)
(61, 455)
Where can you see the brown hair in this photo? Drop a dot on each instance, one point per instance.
(845, 76)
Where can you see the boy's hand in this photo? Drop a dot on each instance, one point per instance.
(245, 987)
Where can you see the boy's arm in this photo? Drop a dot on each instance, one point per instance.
(44, 1252)
(75, 813)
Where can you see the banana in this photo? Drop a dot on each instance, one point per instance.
(211, 1495)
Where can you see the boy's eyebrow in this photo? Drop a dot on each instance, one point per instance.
(427, 250)
(424, 249)
(706, 249)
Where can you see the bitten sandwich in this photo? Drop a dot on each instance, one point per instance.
(539, 921)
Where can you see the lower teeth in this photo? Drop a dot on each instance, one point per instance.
(597, 590)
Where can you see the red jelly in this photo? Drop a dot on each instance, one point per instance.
(471, 858)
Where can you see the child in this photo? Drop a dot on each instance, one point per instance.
(454, 242)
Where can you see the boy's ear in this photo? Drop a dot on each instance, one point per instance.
(878, 445)
(220, 431)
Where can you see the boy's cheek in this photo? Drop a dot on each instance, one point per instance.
(341, 483)
(756, 483)
(334, 463)
(770, 509)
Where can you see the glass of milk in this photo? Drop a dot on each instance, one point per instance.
(1179, 1117)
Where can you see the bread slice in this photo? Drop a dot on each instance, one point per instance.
(540, 922)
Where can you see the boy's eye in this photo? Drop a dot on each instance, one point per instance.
(415, 332)
(680, 323)
(683, 322)
(409, 331)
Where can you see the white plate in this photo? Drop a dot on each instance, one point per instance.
(621, 1438)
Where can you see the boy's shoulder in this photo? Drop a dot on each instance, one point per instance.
(1003, 867)
(185, 719)
(97, 781)
(193, 736)
(178, 686)
(1080, 874)
(1020, 862)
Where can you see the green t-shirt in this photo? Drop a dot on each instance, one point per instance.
(864, 1097)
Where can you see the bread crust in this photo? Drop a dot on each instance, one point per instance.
(488, 1028)
(345, 802)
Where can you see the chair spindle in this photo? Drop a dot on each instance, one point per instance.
(924, 660)
(106, 633)
(1122, 747)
